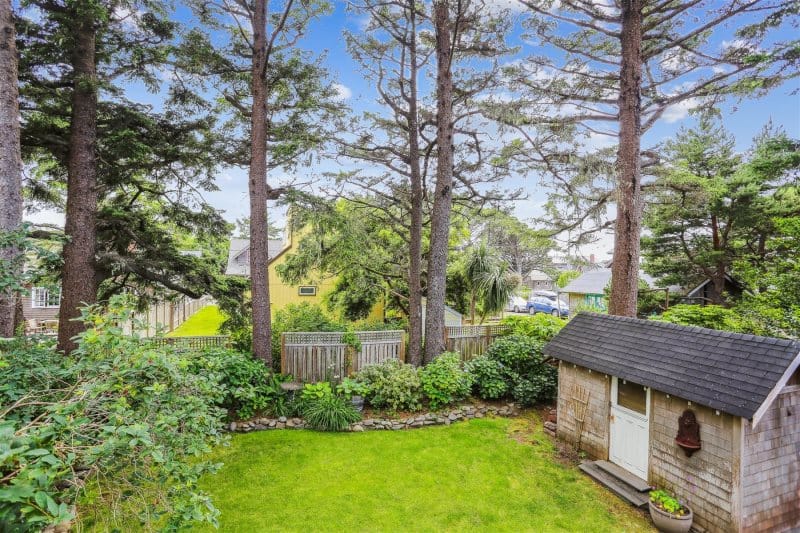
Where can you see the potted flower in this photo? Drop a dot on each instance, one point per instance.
(353, 391)
(668, 514)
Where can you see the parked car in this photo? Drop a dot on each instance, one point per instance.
(517, 304)
(543, 304)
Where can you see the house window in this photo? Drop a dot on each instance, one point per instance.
(42, 298)
(308, 290)
(632, 396)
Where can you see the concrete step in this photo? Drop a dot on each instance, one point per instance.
(623, 475)
(614, 484)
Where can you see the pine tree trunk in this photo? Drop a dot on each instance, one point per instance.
(79, 280)
(10, 159)
(443, 195)
(625, 267)
(415, 237)
(259, 254)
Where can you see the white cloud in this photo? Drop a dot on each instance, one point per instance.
(343, 92)
(680, 110)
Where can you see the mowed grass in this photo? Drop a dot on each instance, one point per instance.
(471, 476)
(204, 322)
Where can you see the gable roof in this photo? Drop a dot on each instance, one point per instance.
(238, 247)
(539, 275)
(591, 282)
(731, 372)
(596, 281)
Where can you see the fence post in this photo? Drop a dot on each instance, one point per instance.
(283, 353)
(402, 354)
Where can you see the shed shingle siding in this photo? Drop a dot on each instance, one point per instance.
(771, 467)
(727, 371)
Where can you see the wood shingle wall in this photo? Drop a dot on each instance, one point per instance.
(594, 437)
(771, 467)
(707, 480)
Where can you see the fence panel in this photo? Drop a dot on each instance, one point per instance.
(192, 343)
(472, 341)
(311, 356)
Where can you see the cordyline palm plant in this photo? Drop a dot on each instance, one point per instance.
(490, 280)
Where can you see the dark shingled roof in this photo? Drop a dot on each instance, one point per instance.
(727, 371)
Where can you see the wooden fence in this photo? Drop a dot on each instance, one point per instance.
(192, 343)
(310, 357)
(472, 341)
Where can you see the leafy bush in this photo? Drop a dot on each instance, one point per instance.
(539, 326)
(527, 376)
(127, 419)
(248, 385)
(488, 378)
(326, 411)
(392, 385)
(704, 316)
(350, 387)
(443, 380)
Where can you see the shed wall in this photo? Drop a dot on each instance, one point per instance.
(708, 480)
(770, 472)
(594, 437)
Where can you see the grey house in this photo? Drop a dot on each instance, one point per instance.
(712, 416)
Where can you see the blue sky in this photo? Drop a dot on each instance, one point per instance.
(325, 37)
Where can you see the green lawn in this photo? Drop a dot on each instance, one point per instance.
(204, 322)
(466, 477)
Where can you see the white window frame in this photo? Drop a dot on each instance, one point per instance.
(41, 299)
(301, 293)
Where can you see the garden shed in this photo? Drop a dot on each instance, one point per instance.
(712, 416)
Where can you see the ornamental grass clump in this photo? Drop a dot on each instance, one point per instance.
(325, 410)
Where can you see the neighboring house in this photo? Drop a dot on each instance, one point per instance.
(539, 281)
(587, 291)
(41, 304)
(711, 416)
(451, 316)
(702, 293)
(282, 294)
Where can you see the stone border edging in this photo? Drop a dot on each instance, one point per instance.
(442, 418)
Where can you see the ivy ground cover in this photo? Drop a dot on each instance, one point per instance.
(483, 475)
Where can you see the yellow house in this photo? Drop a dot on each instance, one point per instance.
(283, 294)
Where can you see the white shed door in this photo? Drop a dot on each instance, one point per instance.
(630, 426)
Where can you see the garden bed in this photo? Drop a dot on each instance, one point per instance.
(378, 420)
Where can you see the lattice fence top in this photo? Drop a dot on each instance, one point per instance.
(335, 337)
(475, 331)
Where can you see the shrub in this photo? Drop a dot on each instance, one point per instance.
(704, 316)
(527, 376)
(487, 375)
(248, 386)
(539, 326)
(326, 411)
(443, 380)
(127, 418)
(392, 385)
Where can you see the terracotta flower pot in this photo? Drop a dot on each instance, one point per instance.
(669, 523)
